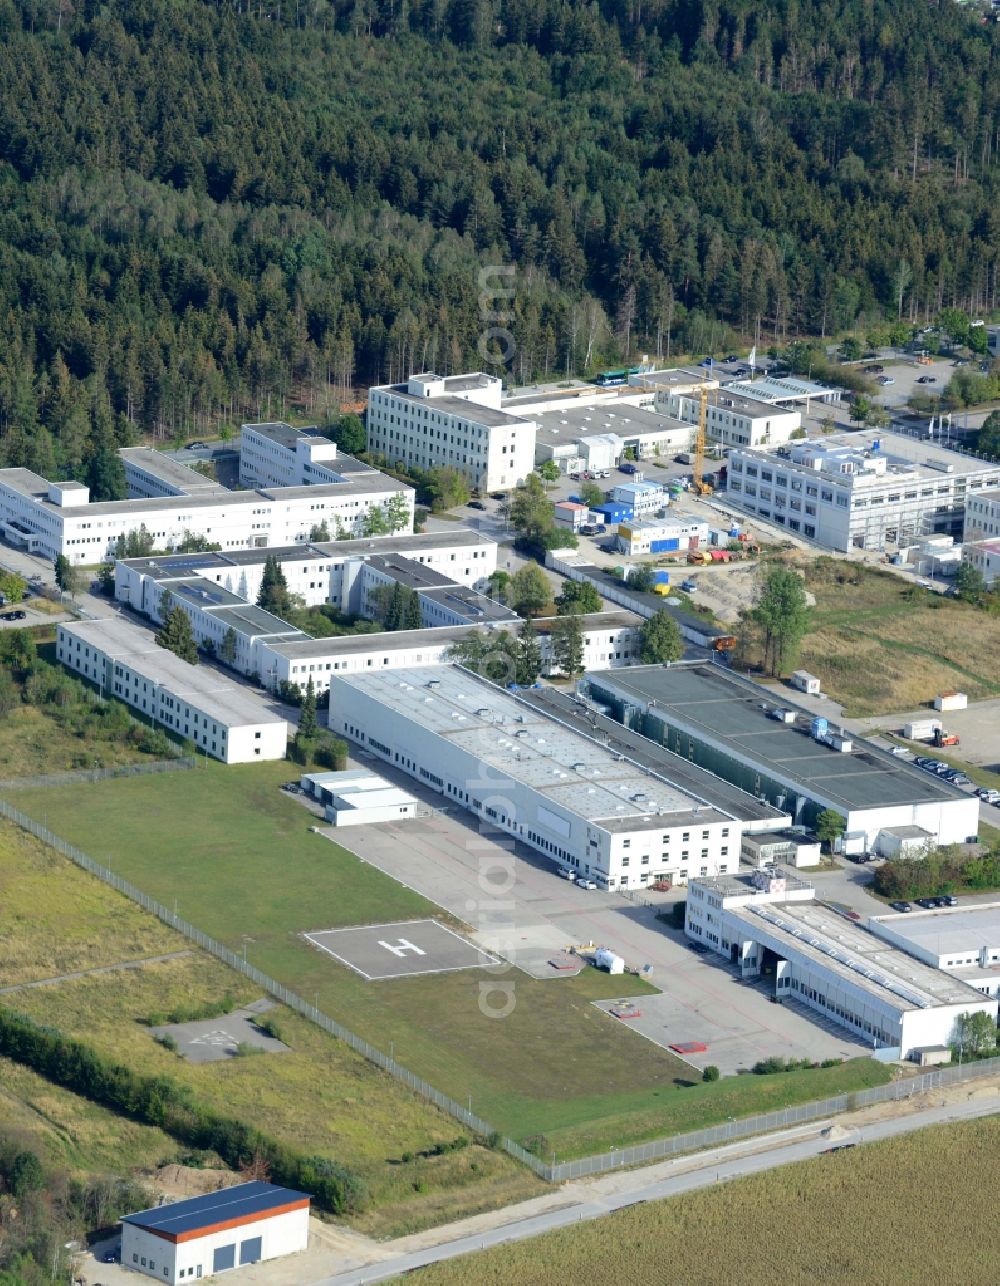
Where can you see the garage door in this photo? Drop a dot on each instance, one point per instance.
(224, 1257)
(250, 1251)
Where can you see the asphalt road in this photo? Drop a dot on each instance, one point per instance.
(594, 1200)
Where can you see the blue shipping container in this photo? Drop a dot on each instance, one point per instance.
(664, 546)
(661, 578)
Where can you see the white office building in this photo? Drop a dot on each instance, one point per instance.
(184, 1241)
(278, 455)
(434, 421)
(964, 942)
(52, 518)
(984, 556)
(441, 601)
(315, 572)
(734, 420)
(610, 639)
(567, 795)
(865, 490)
(982, 515)
(770, 925)
(193, 701)
(149, 474)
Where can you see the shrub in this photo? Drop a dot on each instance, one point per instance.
(711, 1073)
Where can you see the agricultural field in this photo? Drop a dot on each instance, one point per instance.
(319, 1097)
(881, 645)
(846, 1218)
(239, 857)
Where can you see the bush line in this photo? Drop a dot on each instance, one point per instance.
(162, 1102)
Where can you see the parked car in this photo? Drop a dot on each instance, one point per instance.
(921, 761)
(698, 948)
(900, 906)
(17, 615)
(886, 380)
(988, 795)
(874, 369)
(586, 884)
(959, 779)
(567, 874)
(949, 899)
(927, 903)
(476, 504)
(689, 586)
(731, 358)
(926, 379)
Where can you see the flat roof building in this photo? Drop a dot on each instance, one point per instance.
(53, 518)
(357, 797)
(589, 809)
(590, 437)
(194, 702)
(609, 639)
(187, 1240)
(789, 391)
(733, 420)
(864, 490)
(455, 421)
(315, 571)
(770, 925)
(964, 942)
(774, 749)
(278, 455)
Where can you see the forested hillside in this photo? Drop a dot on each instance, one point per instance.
(210, 207)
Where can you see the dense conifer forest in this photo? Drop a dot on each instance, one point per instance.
(218, 208)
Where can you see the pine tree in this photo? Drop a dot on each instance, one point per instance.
(412, 617)
(176, 635)
(567, 644)
(308, 727)
(529, 656)
(227, 649)
(274, 596)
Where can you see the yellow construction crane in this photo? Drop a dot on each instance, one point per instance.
(698, 484)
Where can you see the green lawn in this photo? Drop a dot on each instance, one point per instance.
(239, 857)
(321, 1098)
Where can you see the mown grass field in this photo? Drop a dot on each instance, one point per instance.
(239, 857)
(321, 1097)
(920, 1208)
(881, 645)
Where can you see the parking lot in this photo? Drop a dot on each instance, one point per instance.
(518, 908)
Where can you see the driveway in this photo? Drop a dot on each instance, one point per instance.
(518, 907)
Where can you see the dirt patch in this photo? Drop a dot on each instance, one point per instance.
(186, 1181)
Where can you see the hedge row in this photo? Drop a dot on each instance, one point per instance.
(161, 1101)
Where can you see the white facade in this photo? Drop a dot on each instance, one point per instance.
(982, 515)
(315, 572)
(160, 1243)
(984, 556)
(771, 924)
(60, 518)
(730, 726)
(277, 455)
(643, 498)
(589, 810)
(194, 702)
(660, 536)
(150, 473)
(610, 639)
(433, 421)
(356, 797)
(963, 942)
(734, 421)
(861, 490)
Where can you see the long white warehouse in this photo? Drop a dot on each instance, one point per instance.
(770, 925)
(192, 701)
(589, 809)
